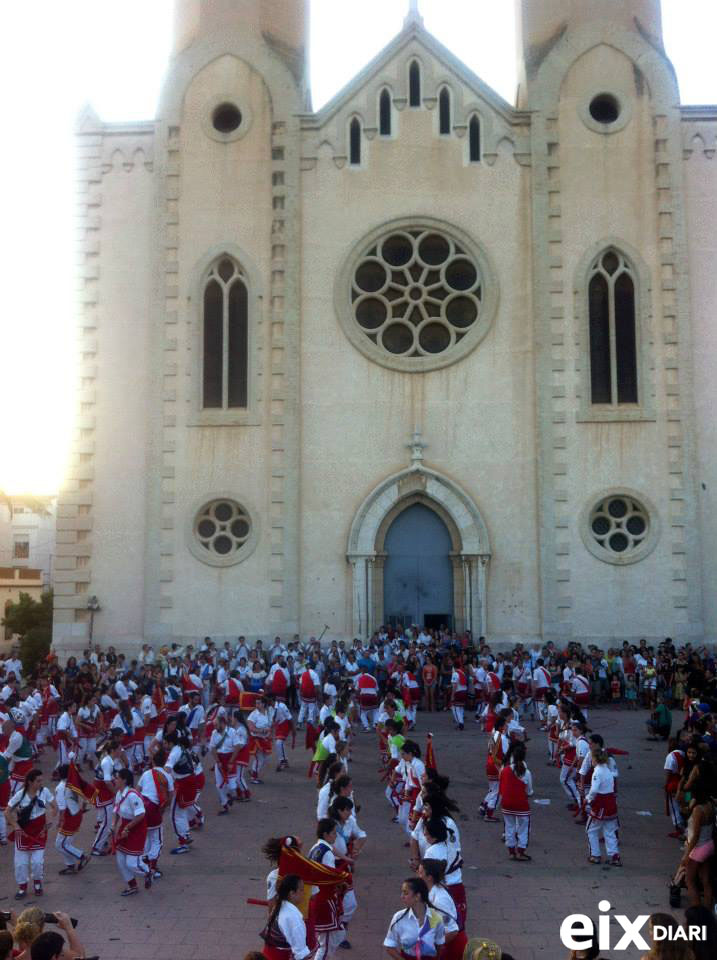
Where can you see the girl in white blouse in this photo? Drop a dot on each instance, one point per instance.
(285, 934)
(418, 929)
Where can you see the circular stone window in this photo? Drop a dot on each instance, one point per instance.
(619, 528)
(226, 118)
(222, 532)
(416, 296)
(606, 112)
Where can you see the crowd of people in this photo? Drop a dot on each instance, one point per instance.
(133, 740)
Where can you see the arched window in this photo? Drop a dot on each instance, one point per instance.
(613, 334)
(444, 111)
(355, 142)
(414, 84)
(225, 321)
(474, 140)
(384, 110)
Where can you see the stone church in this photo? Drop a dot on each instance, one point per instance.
(421, 356)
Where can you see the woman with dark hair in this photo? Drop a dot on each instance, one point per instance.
(411, 770)
(417, 930)
(703, 917)
(272, 852)
(499, 746)
(431, 871)
(350, 839)
(325, 911)
(668, 948)
(699, 849)
(27, 816)
(129, 834)
(601, 803)
(515, 788)
(285, 934)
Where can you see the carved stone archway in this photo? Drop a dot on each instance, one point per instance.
(470, 546)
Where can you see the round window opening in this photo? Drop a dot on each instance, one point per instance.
(222, 527)
(226, 118)
(415, 294)
(604, 108)
(619, 525)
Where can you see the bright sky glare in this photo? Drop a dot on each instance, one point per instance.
(56, 56)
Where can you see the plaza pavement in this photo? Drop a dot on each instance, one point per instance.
(199, 910)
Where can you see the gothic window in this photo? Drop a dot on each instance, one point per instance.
(355, 142)
(613, 333)
(414, 84)
(384, 109)
(474, 140)
(225, 337)
(444, 111)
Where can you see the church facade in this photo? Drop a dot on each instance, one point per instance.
(418, 357)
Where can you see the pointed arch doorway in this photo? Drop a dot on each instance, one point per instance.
(417, 571)
(371, 545)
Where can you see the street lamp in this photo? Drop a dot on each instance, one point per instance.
(93, 605)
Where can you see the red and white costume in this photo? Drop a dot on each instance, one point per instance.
(49, 713)
(66, 737)
(500, 744)
(286, 938)
(180, 767)
(459, 692)
(70, 809)
(580, 687)
(130, 849)
(155, 787)
(367, 688)
(411, 696)
(541, 683)
(104, 799)
(89, 722)
(283, 723)
(224, 744)
(514, 792)
(31, 839)
(602, 812)
(568, 771)
(309, 686)
(674, 765)
(278, 682)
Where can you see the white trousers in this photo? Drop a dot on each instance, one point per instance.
(180, 819)
(458, 714)
(491, 798)
(223, 785)
(349, 906)
(567, 782)
(281, 750)
(70, 853)
(307, 710)
(607, 829)
(131, 866)
(328, 944)
(3, 826)
(104, 827)
(240, 783)
(517, 830)
(63, 752)
(88, 748)
(368, 718)
(675, 812)
(29, 863)
(154, 843)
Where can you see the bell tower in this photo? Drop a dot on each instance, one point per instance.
(282, 24)
(542, 23)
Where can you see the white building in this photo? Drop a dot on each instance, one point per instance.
(422, 355)
(27, 536)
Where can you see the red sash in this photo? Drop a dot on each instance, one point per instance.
(281, 731)
(33, 836)
(105, 793)
(186, 790)
(153, 813)
(604, 807)
(70, 823)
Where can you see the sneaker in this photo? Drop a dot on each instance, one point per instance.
(256, 780)
(21, 892)
(130, 891)
(615, 860)
(68, 871)
(177, 851)
(460, 726)
(148, 880)
(84, 860)
(344, 945)
(157, 875)
(38, 889)
(3, 841)
(489, 818)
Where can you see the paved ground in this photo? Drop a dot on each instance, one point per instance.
(199, 909)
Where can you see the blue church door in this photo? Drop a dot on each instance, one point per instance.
(418, 575)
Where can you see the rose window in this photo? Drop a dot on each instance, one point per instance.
(619, 524)
(222, 528)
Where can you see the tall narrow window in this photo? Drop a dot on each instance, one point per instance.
(474, 140)
(414, 84)
(613, 334)
(444, 110)
(384, 109)
(355, 142)
(225, 344)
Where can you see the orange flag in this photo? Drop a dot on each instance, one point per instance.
(430, 753)
(79, 785)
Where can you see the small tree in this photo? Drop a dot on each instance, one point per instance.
(32, 620)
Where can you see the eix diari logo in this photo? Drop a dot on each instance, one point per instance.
(578, 930)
